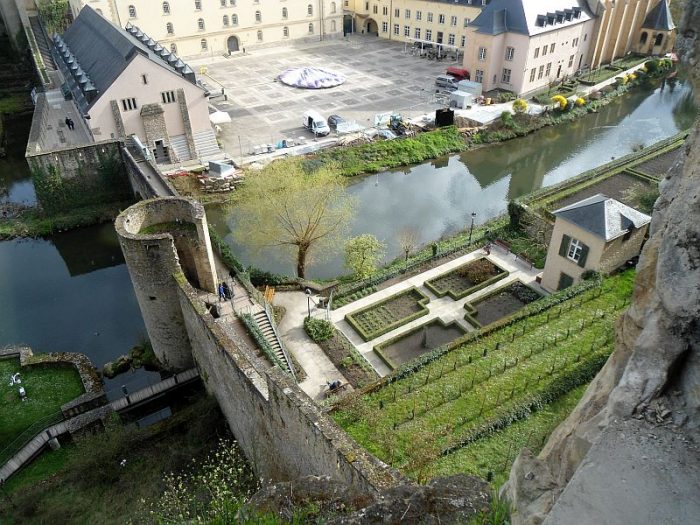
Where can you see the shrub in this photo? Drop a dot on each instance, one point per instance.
(580, 101)
(507, 119)
(478, 271)
(261, 277)
(520, 106)
(594, 95)
(506, 96)
(589, 275)
(318, 329)
(560, 101)
(652, 66)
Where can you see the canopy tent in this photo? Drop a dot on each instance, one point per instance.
(311, 78)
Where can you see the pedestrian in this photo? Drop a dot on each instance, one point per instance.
(222, 293)
(71, 124)
(67, 121)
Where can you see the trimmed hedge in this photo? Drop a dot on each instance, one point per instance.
(350, 318)
(459, 295)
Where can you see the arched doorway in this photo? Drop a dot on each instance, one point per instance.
(348, 26)
(371, 27)
(232, 44)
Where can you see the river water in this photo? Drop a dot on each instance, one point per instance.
(438, 197)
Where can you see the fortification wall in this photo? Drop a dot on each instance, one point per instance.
(282, 431)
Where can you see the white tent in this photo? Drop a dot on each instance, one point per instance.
(311, 78)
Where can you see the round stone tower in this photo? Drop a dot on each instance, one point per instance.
(161, 239)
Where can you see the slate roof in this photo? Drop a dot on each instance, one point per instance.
(659, 18)
(603, 216)
(104, 50)
(521, 16)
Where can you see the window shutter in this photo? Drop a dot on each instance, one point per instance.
(584, 256)
(565, 241)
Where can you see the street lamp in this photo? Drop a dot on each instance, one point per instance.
(308, 301)
(471, 228)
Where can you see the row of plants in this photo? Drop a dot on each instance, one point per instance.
(386, 315)
(466, 279)
(257, 335)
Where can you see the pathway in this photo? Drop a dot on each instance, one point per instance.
(444, 308)
(319, 369)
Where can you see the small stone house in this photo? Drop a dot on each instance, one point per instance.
(597, 233)
(124, 83)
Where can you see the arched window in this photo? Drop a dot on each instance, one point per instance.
(311, 29)
(204, 44)
(310, 9)
(258, 16)
(333, 29)
(166, 8)
(285, 32)
(198, 5)
(169, 28)
(225, 20)
(132, 11)
(332, 7)
(659, 39)
(285, 13)
(259, 36)
(200, 24)
(223, 3)
(234, 20)
(643, 38)
(173, 48)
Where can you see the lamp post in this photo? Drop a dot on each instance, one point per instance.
(471, 228)
(308, 301)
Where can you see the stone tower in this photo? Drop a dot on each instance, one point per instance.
(163, 239)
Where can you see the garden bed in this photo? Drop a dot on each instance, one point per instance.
(382, 317)
(345, 357)
(660, 165)
(466, 279)
(417, 341)
(500, 303)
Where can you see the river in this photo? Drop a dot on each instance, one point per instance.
(437, 198)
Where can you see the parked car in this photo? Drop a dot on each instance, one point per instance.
(445, 83)
(334, 120)
(315, 123)
(459, 73)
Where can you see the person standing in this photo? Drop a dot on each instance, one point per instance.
(222, 292)
(67, 121)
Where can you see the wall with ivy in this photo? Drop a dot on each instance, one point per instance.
(81, 176)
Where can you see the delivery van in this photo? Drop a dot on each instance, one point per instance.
(445, 83)
(315, 123)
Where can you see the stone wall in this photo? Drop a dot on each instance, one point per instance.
(153, 118)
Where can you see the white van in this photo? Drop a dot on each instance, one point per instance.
(315, 123)
(446, 82)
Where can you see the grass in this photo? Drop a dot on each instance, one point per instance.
(489, 382)
(47, 387)
(524, 246)
(14, 103)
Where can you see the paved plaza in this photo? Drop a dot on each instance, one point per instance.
(381, 78)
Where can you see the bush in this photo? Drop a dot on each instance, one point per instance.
(520, 106)
(560, 101)
(507, 119)
(589, 275)
(262, 278)
(595, 95)
(580, 101)
(318, 329)
(506, 96)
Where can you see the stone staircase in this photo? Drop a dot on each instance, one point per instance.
(266, 327)
(178, 143)
(42, 40)
(206, 146)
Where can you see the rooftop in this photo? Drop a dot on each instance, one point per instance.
(659, 18)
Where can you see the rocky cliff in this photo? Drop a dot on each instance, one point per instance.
(652, 380)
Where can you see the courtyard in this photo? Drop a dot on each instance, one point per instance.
(381, 78)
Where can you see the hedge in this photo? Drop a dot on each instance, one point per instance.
(459, 295)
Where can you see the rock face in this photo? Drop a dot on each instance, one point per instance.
(654, 373)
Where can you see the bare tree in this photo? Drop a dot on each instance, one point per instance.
(408, 239)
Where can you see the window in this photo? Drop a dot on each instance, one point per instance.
(198, 5)
(311, 29)
(571, 60)
(482, 53)
(407, 14)
(167, 97)
(285, 13)
(366, 6)
(510, 51)
(260, 36)
(234, 20)
(285, 32)
(417, 32)
(419, 15)
(466, 22)
(397, 13)
(225, 20)
(166, 8)
(505, 77)
(551, 48)
(585, 37)
(575, 249)
(659, 39)
(564, 281)
(396, 29)
(200, 24)
(406, 31)
(169, 28)
(533, 72)
(430, 17)
(132, 11)
(333, 29)
(574, 43)
(441, 19)
(429, 34)
(223, 3)
(309, 10)
(258, 16)
(128, 104)
(451, 40)
(144, 79)
(544, 50)
(463, 41)
(232, 3)
(478, 76)
(549, 69)
(333, 7)
(540, 72)
(203, 44)
(385, 27)
(385, 10)
(537, 52)
(453, 21)
(374, 9)
(173, 48)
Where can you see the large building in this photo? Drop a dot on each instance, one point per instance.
(214, 27)
(124, 84)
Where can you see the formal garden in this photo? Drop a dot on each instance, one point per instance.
(452, 399)
(500, 303)
(466, 279)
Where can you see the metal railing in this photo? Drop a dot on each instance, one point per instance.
(271, 319)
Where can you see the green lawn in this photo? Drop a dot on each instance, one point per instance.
(489, 382)
(47, 389)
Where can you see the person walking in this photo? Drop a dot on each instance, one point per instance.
(222, 293)
(67, 121)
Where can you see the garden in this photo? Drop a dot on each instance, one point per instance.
(501, 303)
(466, 279)
(384, 316)
(449, 400)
